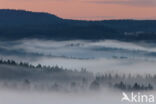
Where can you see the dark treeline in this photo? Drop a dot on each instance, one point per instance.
(39, 66)
(27, 65)
(59, 78)
(133, 87)
(26, 76)
(127, 82)
(19, 24)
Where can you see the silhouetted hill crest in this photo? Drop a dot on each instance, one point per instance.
(21, 24)
(11, 17)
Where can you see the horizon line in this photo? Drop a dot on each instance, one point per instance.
(76, 18)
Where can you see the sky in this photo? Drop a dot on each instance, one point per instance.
(88, 9)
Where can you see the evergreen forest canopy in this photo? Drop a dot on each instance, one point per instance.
(40, 77)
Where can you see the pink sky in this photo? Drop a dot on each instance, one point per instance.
(88, 9)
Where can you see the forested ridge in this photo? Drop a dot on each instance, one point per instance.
(21, 24)
(21, 74)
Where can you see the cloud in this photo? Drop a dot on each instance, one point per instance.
(145, 3)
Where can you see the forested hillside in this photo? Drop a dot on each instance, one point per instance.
(20, 24)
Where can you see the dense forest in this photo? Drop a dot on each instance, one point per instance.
(20, 24)
(53, 78)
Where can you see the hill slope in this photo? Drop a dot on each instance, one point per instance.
(21, 17)
(19, 24)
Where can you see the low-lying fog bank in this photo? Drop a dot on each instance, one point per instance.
(95, 56)
(30, 97)
(75, 72)
(25, 76)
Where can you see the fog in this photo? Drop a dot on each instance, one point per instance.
(21, 97)
(95, 56)
(105, 56)
(103, 97)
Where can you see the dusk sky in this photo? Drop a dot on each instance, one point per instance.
(88, 9)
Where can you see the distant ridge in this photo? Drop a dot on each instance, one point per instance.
(21, 24)
(11, 16)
